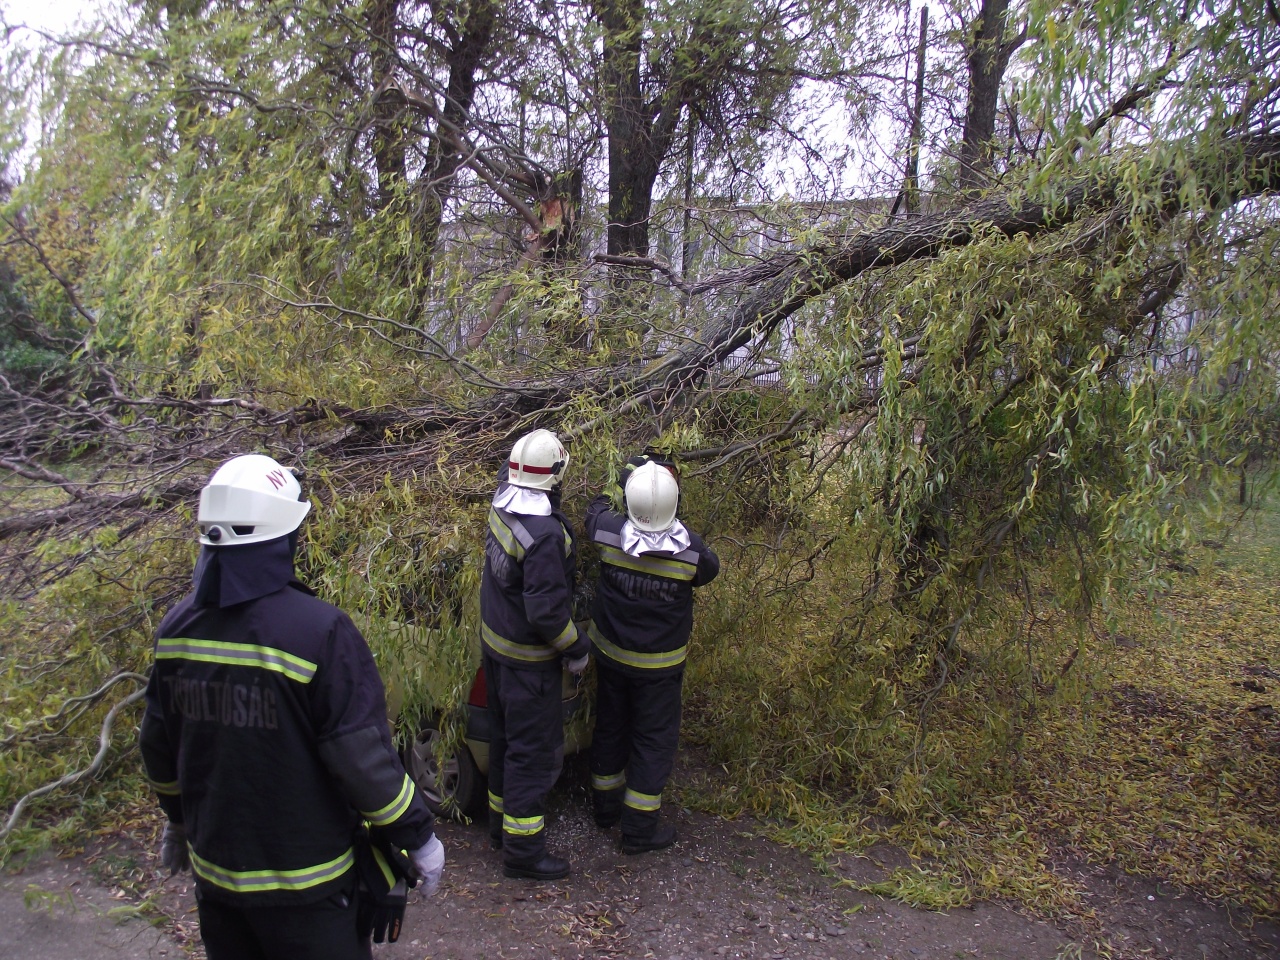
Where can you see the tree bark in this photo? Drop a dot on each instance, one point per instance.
(642, 132)
(988, 58)
(909, 197)
(426, 202)
(782, 286)
(388, 145)
(633, 168)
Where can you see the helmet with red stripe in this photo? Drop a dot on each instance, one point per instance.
(538, 461)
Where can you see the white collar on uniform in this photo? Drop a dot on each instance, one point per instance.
(522, 500)
(671, 540)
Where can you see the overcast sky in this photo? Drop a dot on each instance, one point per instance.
(50, 15)
(790, 175)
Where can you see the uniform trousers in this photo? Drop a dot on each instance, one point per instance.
(325, 930)
(634, 745)
(526, 752)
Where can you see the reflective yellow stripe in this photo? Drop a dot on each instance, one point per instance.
(169, 789)
(521, 826)
(632, 658)
(383, 867)
(568, 540)
(395, 809)
(611, 782)
(517, 651)
(502, 533)
(566, 638)
(668, 567)
(495, 802)
(251, 881)
(236, 654)
(642, 801)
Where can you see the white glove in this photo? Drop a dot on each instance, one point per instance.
(429, 862)
(577, 666)
(174, 855)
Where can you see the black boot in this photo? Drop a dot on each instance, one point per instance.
(548, 867)
(606, 806)
(663, 836)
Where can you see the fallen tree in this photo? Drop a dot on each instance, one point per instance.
(935, 452)
(175, 439)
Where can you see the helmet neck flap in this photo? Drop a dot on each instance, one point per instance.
(226, 576)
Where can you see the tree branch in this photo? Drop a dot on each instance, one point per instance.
(104, 744)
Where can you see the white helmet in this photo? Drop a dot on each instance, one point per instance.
(538, 461)
(250, 499)
(652, 493)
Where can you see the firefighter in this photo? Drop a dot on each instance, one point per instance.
(266, 739)
(643, 614)
(527, 629)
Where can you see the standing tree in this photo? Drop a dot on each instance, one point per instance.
(732, 67)
(989, 48)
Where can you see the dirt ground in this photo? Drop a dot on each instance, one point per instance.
(722, 891)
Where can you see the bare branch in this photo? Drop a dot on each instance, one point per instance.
(69, 709)
(104, 744)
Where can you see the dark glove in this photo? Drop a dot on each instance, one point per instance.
(649, 456)
(625, 474)
(381, 915)
(662, 460)
(174, 855)
(632, 462)
(384, 876)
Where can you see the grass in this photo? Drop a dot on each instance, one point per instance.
(1157, 752)
(1172, 768)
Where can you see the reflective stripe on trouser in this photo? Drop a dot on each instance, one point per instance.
(526, 748)
(644, 802)
(637, 729)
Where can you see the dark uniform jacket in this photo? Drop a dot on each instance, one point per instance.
(266, 734)
(643, 611)
(526, 594)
